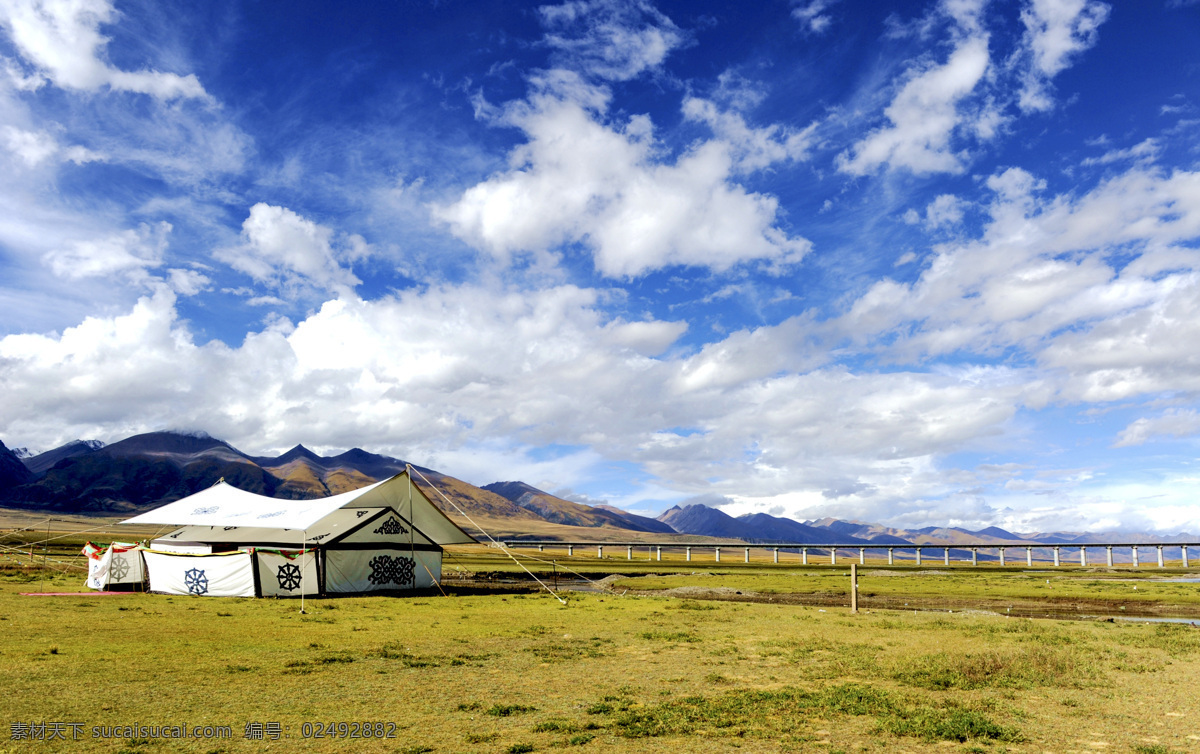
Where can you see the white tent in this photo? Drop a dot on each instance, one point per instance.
(387, 536)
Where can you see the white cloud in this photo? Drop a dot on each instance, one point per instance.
(925, 115)
(1146, 151)
(944, 211)
(35, 147)
(610, 39)
(1172, 423)
(129, 252)
(291, 253)
(62, 39)
(751, 148)
(1056, 32)
(812, 15)
(1040, 277)
(580, 180)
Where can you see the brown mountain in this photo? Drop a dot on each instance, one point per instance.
(560, 511)
(144, 471)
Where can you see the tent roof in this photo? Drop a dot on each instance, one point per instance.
(224, 505)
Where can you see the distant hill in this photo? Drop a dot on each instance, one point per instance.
(752, 527)
(12, 471)
(40, 463)
(644, 522)
(560, 511)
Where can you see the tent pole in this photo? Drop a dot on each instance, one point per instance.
(303, 545)
(411, 524)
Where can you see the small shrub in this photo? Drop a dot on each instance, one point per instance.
(479, 738)
(683, 636)
(581, 739)
(519, 748)
(508, 710)
(953, 725)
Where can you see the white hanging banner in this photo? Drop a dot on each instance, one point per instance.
(121, 563)
(351, 571)
(281, 573)
(223, 575)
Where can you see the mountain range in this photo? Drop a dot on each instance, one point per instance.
(148, 470)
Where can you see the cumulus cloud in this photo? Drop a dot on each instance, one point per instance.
(63, 41)
(926, 112)
(129, 252)
(1170, 424)
(1041, 266)
(290, 253)
(609, 39)
(579, 179)
(1056, 32)
(751, 148)
(35, 147)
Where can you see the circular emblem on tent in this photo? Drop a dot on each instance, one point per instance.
(205, 511)
(118, 569)
(289, 577)
(385, 569)
(196, 581)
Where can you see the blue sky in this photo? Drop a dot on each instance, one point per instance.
(908, 262)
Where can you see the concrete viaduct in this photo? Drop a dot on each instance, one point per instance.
(655, 550)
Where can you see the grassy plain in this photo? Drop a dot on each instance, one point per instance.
(631, 672)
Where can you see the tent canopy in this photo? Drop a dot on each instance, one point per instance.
(223, 505)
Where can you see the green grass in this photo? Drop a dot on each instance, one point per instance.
(496, 673)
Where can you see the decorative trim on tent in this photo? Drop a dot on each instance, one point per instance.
(364, 524)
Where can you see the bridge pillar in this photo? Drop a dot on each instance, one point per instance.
(776, 554)
(1135, 557)
(804, 555)
(689, 554)
(1001, 557)
(629, 553)
(718, 551)
(599, 551)
(974, 556)
(1183, 555)
(862, 555)
(1160, 557)
(1108, 555)
(918, 556)
(658, 553)
(946, 556)
(1056, 557)
(890, 558)
(1083, 556)
(1029, 557)
(570, 550)
(747, 560)
(833, 556)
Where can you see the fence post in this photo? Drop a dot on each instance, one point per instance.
(854, 587)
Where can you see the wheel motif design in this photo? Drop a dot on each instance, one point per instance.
(118, 569)
(196, 581)
(289, 577)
